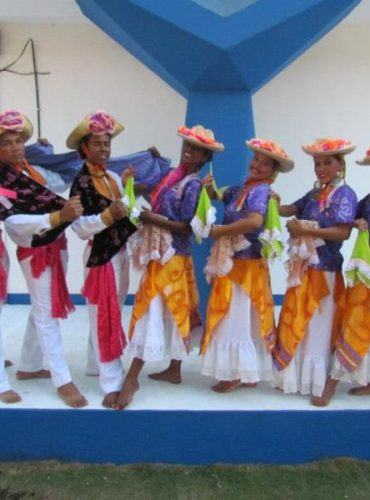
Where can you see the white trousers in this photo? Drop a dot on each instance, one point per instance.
(236, 350)
(111, 372)
(42, 344)
(4, 382)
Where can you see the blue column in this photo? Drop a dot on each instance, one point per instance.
(230, 116)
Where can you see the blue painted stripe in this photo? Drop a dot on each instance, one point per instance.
(78, 299)
(183, 437)
(24, 299)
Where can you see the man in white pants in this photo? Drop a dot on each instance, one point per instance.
(36, 223)
(106, 227)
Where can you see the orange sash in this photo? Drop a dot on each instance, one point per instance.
(175, 282)
(298, 309)
(253, 277)
(103, 182)
(354, 339)
(31, 172)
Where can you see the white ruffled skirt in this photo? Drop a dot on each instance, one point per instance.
(156, 335)
(236, 350)
(360, 376)
(310, 366)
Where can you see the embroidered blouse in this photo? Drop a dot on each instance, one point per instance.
(255, 202)
(339, 209)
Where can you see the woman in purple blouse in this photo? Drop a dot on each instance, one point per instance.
(166, 304)
(351, 357)
(312, 310)
(240, 327)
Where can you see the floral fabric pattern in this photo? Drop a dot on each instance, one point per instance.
(180, 204)
(341, 209)
(256, 201)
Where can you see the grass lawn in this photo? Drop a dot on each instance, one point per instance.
(327, 479)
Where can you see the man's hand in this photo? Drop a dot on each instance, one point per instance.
(128, 172)
(118, 210)
(154, 152)
(72, 210)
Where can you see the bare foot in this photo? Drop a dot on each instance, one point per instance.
(110, 399)
(10, 397)
(72, 396)
(225, 386)
(127, 393)
(327, 394)
(21, 375)
(167, 375)
(7, 363)
(360, 391)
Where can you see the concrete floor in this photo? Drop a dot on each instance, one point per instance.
(193, 394)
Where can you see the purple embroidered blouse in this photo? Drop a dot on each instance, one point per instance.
(180, 204)
(256, 201)
(340, 209)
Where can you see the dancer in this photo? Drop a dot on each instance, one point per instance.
(106, 227)
(314, 302)
(240, 327)
(35, 220)
(351, 357)
(166, 304)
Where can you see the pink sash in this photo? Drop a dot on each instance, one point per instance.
(100, 289)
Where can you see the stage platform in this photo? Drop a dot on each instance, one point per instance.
(188, 423)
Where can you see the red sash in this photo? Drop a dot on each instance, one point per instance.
(49, 255)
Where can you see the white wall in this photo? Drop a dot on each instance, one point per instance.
(88, 71)
(325, 92)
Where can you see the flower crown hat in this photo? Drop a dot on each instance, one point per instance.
(272, 150)
(329, 146)
(203, 137)
(97, 123)
(366, 160)
(12, 120)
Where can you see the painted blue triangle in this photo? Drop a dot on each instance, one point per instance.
(225, 8)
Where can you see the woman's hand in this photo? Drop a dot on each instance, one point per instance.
(275, 196)
(216, 231)
(361, 224)
(296, 228)
(147, 216)
(209, 182)
(128, 172)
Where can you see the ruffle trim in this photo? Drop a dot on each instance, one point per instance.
(272, 243)
(200, 228)
(220, 261)
(358, 271)
(150, 243)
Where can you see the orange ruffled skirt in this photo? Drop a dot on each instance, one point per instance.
(167, 299)
(240, 327)
(308, 328)
(353, 343)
